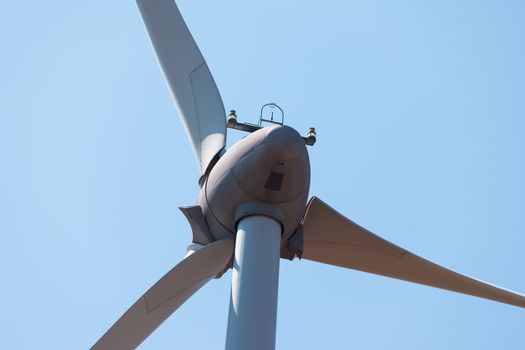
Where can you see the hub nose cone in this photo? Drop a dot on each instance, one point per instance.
(285, 142)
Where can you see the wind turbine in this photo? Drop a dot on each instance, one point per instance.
(252, 210)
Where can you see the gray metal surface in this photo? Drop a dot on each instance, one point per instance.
(255, 278)
(331, 238)
(268, 166)
(191, 84)
(199, 227)
(170, 292)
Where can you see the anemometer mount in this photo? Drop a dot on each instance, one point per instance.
(271, 113)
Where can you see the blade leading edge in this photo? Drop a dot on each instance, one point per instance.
(191, 84)
(331, 238)
(170, 292)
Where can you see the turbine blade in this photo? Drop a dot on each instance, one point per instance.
(331, 238)
(170, 292)
(191, 84)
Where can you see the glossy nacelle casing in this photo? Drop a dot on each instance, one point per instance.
(270, 167)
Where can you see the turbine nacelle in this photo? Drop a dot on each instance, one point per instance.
(269, 170)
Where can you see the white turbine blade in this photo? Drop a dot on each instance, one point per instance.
(191, 84)
(170, 292)
(331, 238)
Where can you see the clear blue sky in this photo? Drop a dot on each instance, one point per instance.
(420, 112)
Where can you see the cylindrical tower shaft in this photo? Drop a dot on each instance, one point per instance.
(255, 280)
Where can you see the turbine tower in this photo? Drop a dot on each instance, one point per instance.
(253, 209)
